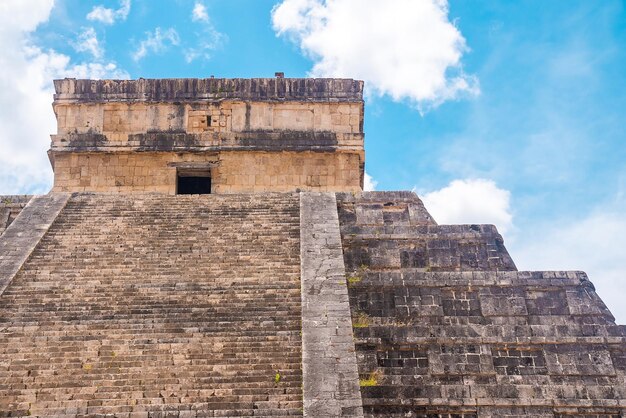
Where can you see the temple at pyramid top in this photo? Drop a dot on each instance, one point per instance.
(208, 135)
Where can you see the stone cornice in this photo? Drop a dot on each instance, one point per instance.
(70, 90)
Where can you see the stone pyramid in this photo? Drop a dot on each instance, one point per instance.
(207, 251)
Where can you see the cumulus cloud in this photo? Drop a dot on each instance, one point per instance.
(155, 42)
(471, 201)
(407, 49)
(88, 42)
(208, 38)
(109, 16)
(595, 244)
(199, 13)
(369, 184)
(27, 120)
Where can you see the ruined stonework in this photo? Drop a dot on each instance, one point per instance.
(247, 135)
(10, 207)
(207, 251)
(445, 325)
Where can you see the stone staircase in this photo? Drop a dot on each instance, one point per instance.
(446, 327)
(157, 306)
(190, 306)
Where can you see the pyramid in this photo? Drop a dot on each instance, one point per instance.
(207, 250)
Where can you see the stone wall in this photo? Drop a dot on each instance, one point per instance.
(10, 207)
(442, 331)
(311, 130)
(539, 343)
(231, 171)
(390, 230)
(228, 124)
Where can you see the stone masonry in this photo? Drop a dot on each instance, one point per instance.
(10, 207)
(445, 326)
(328, 359)
(23, 235)
(248, 135)
(157, 306)
(272, 286)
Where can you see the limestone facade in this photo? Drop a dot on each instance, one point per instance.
(248, 135)
(231, 171)
(128, 302)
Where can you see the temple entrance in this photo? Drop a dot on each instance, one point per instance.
(193, 183)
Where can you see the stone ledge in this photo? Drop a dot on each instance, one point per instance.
(181, 141)
(377, 232)
(410, 276)
(71, 90)
(501, 402)
(382, 196)
(494, 340)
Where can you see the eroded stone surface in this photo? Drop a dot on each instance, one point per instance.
(231, 171)
(463, 338)
(389, 230)
(20, 239)
(148, 305)
(164, 305)
(126, 136)
(10, 207)
(328, 359)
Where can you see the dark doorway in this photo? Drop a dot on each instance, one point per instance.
(194, 185)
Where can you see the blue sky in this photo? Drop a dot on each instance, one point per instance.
(502, 112)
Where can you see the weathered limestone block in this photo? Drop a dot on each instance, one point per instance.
(380, 208)
(454, 359)
(387, 230)
(330, 374)
(429, 248)
(10, 207)
(231, 172)
(79, 120)
(440, 331)
(311, 130)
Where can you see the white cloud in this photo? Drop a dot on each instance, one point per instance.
(595, 244)
(88, 42)
(407, 49)
(156, 42)
(471, 201)
(22, 15)
(27, 120)
(369, 184)
(208, 38)
(199, 13)
(102, 14)
(109, 16)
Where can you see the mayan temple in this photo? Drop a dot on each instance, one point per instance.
(207, 251)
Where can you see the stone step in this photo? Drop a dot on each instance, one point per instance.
(158, 303)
